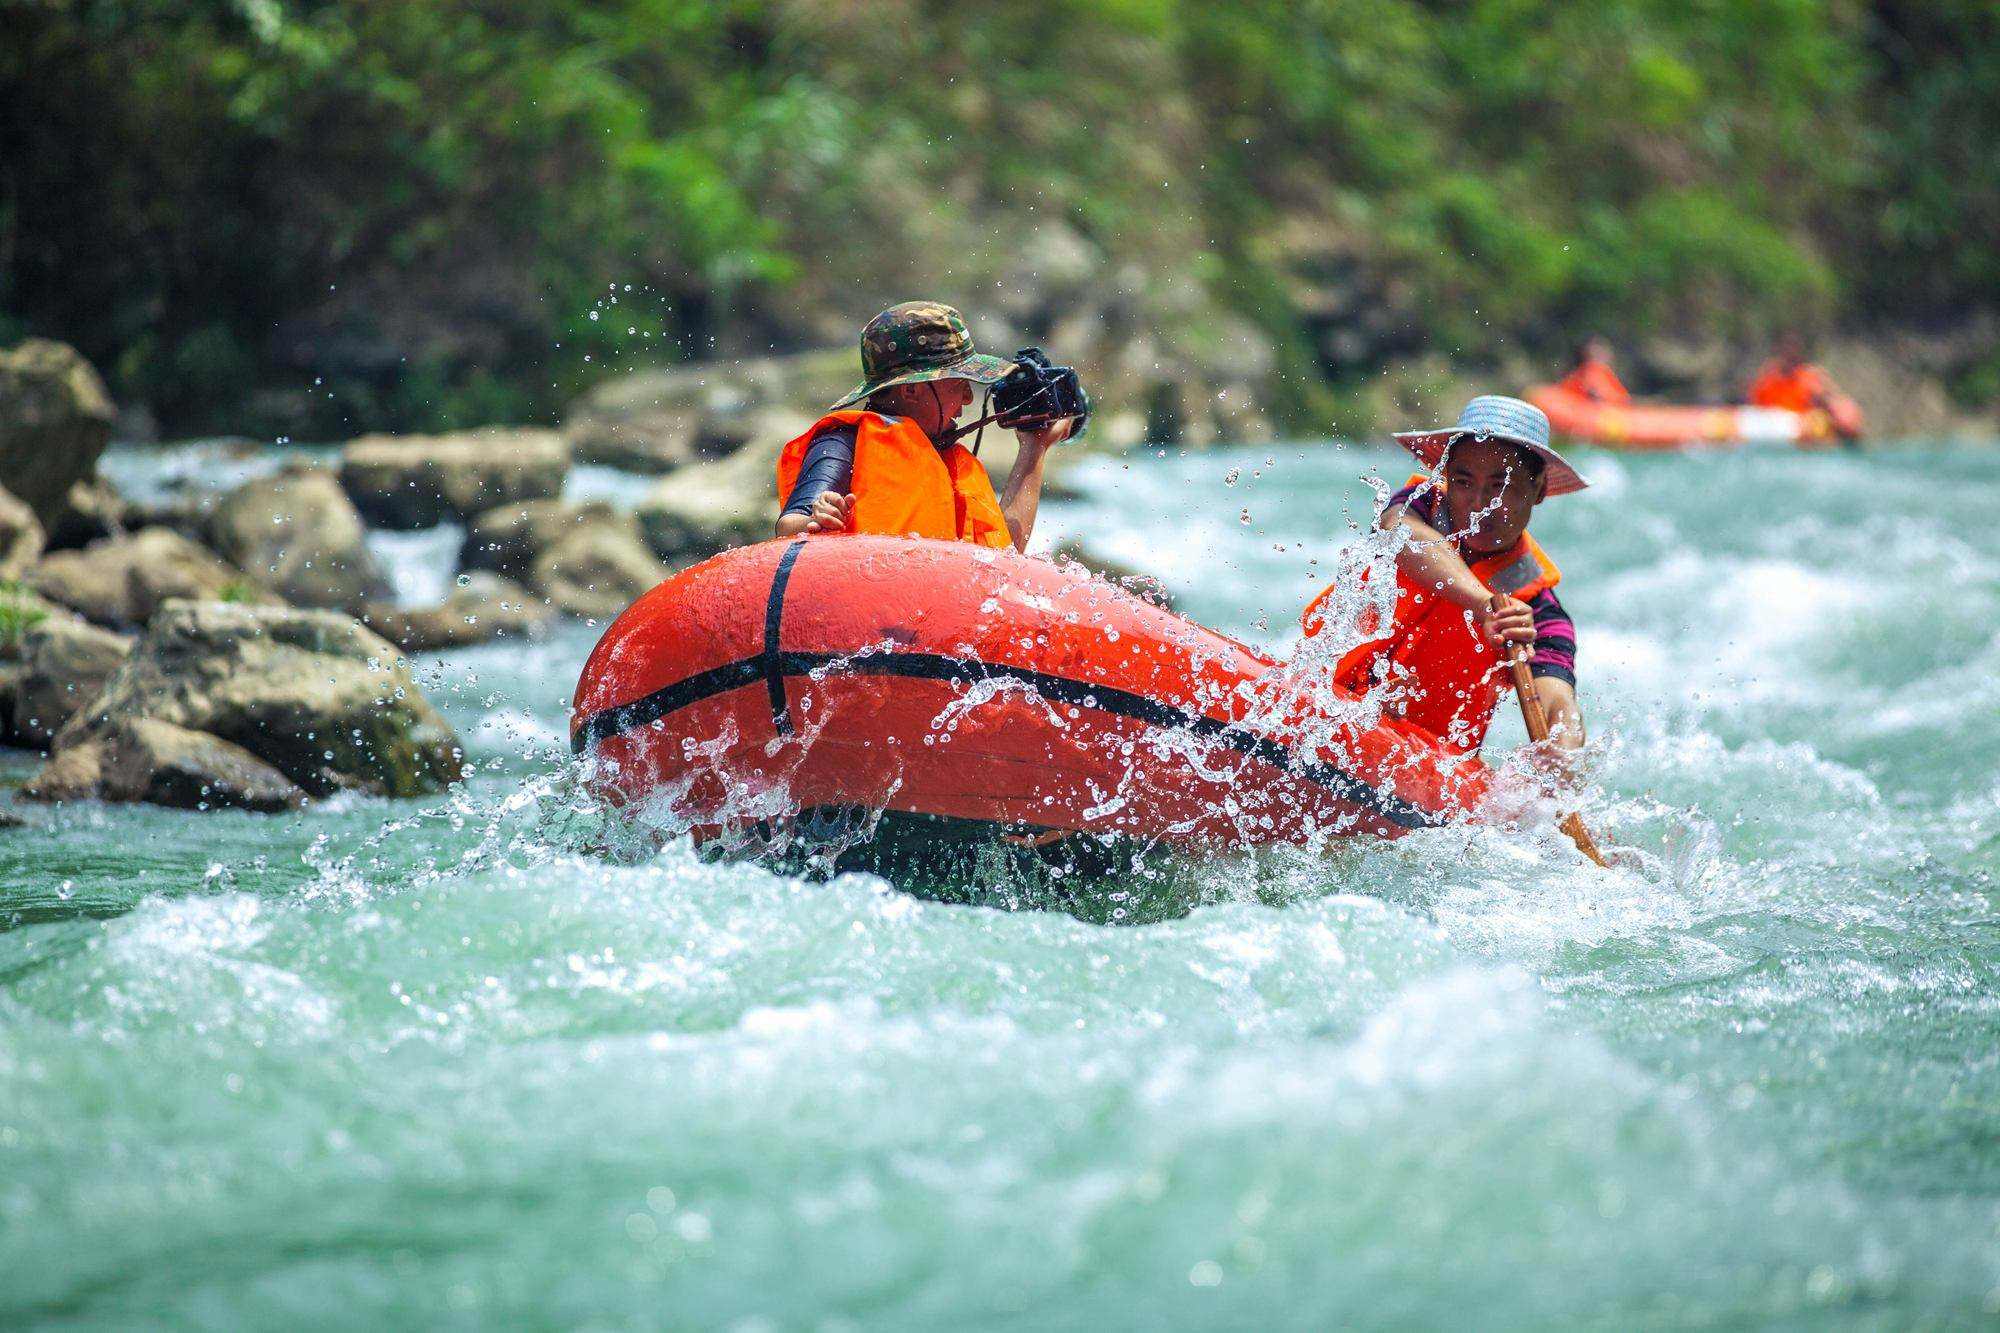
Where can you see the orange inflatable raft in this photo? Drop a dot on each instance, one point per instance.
(986, 691)
(1664, 426)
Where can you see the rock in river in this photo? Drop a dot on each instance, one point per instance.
(121, 581)
(309, 695)
(597, 572)
(509, 539)
(419, 481)
(21, 609)
(21, 536)
(55, 419)
(662, 419)
(92, 511)
(706, 507)
(64, 666)
(299, 535)
(584, 559)
(141, 759)
(483, 606)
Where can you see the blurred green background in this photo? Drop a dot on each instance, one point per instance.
(315, 218)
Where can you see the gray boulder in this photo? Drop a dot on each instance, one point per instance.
(511, 538)
(55, 419)
(90, 512)
(64, 666)
(122, 581)
(312, 695)
(660, 420)
(644, 438)
(142, 759)
(707, 507)
(596, 572)
(21, 536)
(21, 609)
(586, 560)
(188, 511)
(483, 607)
(419, 481)
(299, 535)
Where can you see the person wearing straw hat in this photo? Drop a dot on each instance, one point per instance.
(894, 464)
(1470, 581)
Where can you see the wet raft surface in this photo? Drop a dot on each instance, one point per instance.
(943, 680)
(424, 1064)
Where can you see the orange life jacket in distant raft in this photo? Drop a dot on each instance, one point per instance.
(1799, 389)
(904, 485)
(1596, 381)
(1449, 681)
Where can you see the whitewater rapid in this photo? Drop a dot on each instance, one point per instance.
(426, 1063)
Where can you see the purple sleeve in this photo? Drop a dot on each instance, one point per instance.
(1555, 639)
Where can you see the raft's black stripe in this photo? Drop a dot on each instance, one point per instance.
(1125, 703)
(660, 703)
(774, 616)
(932, 666)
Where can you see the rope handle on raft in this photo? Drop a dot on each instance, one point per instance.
(1538, 731)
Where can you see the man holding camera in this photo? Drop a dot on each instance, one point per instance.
(894, 466)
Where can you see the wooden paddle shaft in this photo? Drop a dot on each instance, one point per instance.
(1531, 698)
(1538, 730)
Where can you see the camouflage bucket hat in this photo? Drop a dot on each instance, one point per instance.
(919, 341)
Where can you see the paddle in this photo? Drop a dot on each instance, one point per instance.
(1538, 730)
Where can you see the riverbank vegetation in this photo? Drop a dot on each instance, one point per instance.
(319, 218)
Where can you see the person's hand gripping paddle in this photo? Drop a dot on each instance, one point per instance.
(1538, 731)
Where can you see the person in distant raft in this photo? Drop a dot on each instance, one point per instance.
(1790, 381)
(1470, 581)
(1592, 376)
(894, 465)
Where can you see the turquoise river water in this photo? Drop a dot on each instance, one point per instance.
(423, 1064)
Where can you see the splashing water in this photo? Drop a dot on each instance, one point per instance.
(396, 1063)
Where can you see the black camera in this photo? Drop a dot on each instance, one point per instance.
(1038, 393)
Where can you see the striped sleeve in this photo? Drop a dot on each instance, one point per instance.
(1555, 639)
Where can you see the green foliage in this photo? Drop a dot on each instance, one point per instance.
(316, 216)
(1936, 209)
(19, 613)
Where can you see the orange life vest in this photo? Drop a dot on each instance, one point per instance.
(1596, 381)
(1450, 681)
(904, 485)
(1798, 389)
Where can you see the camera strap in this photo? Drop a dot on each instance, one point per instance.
(960, 432)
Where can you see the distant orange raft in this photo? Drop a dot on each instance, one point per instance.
(1663, 426)
(986, 690)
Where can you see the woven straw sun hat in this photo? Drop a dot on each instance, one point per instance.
(1494, 416)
